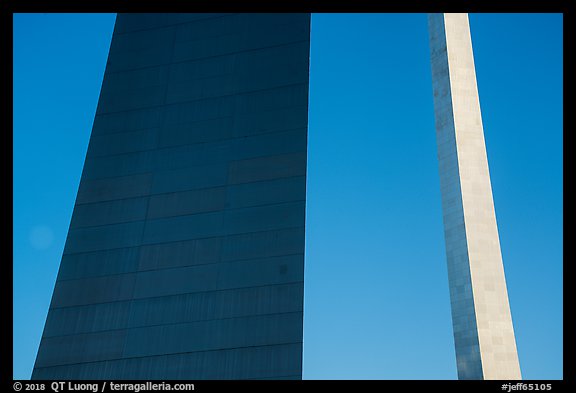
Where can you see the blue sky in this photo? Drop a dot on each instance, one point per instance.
(376, 292)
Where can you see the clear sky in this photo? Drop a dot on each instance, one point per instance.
(376, 292)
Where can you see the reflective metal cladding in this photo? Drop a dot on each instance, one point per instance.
(185, 254)
(483, 332)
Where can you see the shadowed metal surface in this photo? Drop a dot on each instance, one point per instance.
(185, 253)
